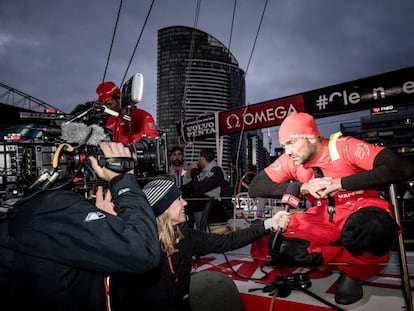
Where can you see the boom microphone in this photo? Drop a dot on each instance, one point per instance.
(289, 199)
(81, 134)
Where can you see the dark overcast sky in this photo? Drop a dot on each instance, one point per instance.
(57, 50)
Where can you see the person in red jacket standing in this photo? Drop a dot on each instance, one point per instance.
(141, 125)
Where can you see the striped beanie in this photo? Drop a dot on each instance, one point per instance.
(161, 193)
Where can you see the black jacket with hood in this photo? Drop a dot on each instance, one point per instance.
(57, 247)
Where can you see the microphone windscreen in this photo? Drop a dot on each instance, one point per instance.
(98, 135)
(291, 197)
(74, 132)
(80, 133)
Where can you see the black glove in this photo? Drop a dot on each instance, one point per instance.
(370, 229)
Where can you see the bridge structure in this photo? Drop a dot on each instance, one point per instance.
(13, 97)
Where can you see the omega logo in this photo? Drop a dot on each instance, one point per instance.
(234, 121)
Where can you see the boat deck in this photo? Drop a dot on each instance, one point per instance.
(382, 292)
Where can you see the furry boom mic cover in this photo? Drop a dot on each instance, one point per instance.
(370, 229)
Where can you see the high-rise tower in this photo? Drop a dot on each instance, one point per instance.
(196, 76)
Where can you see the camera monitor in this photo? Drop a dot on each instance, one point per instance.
(132, 90)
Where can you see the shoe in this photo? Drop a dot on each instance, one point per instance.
(349, 290)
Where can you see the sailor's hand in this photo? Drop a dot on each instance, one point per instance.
(319, 188)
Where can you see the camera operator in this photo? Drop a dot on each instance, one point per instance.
(57, 247)
(141, 124)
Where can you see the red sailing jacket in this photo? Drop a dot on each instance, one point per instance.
(341, 156)
(141, 124)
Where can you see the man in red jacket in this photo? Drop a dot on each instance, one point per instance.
(347, 221)
(141, 125)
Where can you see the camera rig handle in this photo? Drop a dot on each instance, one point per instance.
(119, 165)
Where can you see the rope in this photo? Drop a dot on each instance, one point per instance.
(139, 38)
(232, 22)
(112, 41)
(257, 35)
(190, 56)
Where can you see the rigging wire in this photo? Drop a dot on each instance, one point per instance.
(241, 135)
(189, 65)
(112, 41)
(138, 40)
(232, 22)
(191, 53)
(257, 35)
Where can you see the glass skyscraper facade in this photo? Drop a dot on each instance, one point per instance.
(196, 76)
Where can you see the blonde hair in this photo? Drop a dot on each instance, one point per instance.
(168, 234)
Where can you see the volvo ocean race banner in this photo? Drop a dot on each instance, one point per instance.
(390, 88)
(197, 129)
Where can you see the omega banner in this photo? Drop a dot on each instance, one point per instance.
(390, 88)
(257, 116)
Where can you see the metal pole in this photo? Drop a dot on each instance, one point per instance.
(219, 147)
(402, 255)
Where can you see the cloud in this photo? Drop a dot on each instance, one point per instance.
(57, 51)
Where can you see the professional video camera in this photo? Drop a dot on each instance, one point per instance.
(56, 155)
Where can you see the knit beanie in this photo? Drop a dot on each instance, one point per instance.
(298, 125)
(161, 193)
(107, 89)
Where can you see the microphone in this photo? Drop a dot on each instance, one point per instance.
(114, 113)
(82, 134)
(289, 199)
